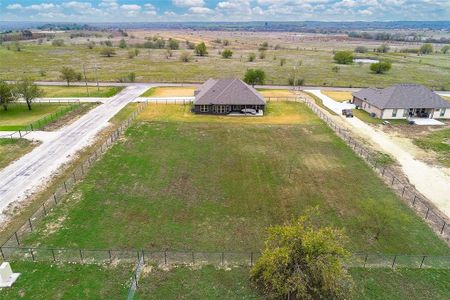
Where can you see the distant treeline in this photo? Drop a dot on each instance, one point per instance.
(401, 37)
(22, 36)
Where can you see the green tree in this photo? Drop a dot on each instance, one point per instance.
(251, 57)
(7, 94)
(69, 75)
(445, 49)
(173, 44)
(254, 76)
(384, 48)
(426, 49)
(301, 261)
(29, 91)
(201, 50)
(343, 57)
(122, 44)
(108, 52)
(227, 53)
(380, 67)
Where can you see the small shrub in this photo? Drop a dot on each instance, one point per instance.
(58, 43)
(282, 62)
(251, 57)
(262, 54)
(185, 56)
(343, 57)
(227, 53)
(122, 44)
(380, 67)
(361, 49)
(426, 49)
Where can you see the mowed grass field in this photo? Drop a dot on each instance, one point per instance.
(207, 183)
(10, 150)
(78, 91)
(170, 91)
(18, 116)
(39, 280)
(438, 141)
(211, 283)
(152, 65)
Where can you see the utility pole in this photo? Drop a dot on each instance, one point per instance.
(96, 78)
(85, 80)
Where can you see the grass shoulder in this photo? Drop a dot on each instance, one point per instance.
(438, 141)
(13, 149)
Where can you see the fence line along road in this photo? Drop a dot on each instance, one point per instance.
(42, 122)
(422, 206)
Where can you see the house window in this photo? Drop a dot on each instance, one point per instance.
(394, 112)
(220, 109)
(442, 112)
(204, 108)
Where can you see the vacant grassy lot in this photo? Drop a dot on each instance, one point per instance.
(338, 96)
(211, 283)
(18, 116)
(153, 65)
(68, 281)
(10, 150)
(79, 91)
(170, 91)
(276, 93)
(204, 183)
(438, 141)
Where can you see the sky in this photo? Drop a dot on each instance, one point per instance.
(223, 10)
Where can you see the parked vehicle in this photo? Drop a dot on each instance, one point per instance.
(249, 111)
(348, 113)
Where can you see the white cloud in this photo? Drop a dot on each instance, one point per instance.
(132, 7)
(14, 6)
(188, 3)
(200, 10)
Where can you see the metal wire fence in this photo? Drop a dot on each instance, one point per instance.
(18, 134)
(193, 258)
(422, 206)
(16, 239)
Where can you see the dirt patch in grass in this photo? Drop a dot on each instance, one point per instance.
(170, 91)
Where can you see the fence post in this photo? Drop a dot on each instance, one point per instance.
(3, 255)
(426, 216)
(365, 260)
(251, 259)
(31, 226)
(17, 238)
(393, 262)
(43, 206)
(193, 258)
(165, 257)
(54, 198)
(443, 227)
(81, 256)
(53, 254)
(393, 180)
(32, 254)
(414, 202)
(421, 263)
(143, 256)
(223, 258)
(65, 186)
(403, 191)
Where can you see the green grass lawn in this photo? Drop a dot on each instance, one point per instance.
(78, 91)
(211, 283)
(212, 184)
(43, 62)
(204, 283)
(10, 150)
(401, 284)
(18, 116)
(68, 281)
(438, 141)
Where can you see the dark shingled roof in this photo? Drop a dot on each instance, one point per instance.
(227, 91)
(402, 96)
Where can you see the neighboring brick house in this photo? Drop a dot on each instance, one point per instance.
(224, 96)
(402, 101)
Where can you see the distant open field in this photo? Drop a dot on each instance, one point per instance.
(43, 62)
(214, 184)
(10, 150)
(78, 91)
(39, 280)
(211, 283)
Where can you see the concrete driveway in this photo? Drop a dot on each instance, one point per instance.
(31, 172)
(431, 181)
(335, 106)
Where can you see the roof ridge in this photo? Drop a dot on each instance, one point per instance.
(228, 85)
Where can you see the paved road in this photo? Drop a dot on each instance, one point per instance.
(433, 182)
(31, 172)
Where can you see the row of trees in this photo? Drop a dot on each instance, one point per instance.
(24, 89)
(424, 49)
(346, 58)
